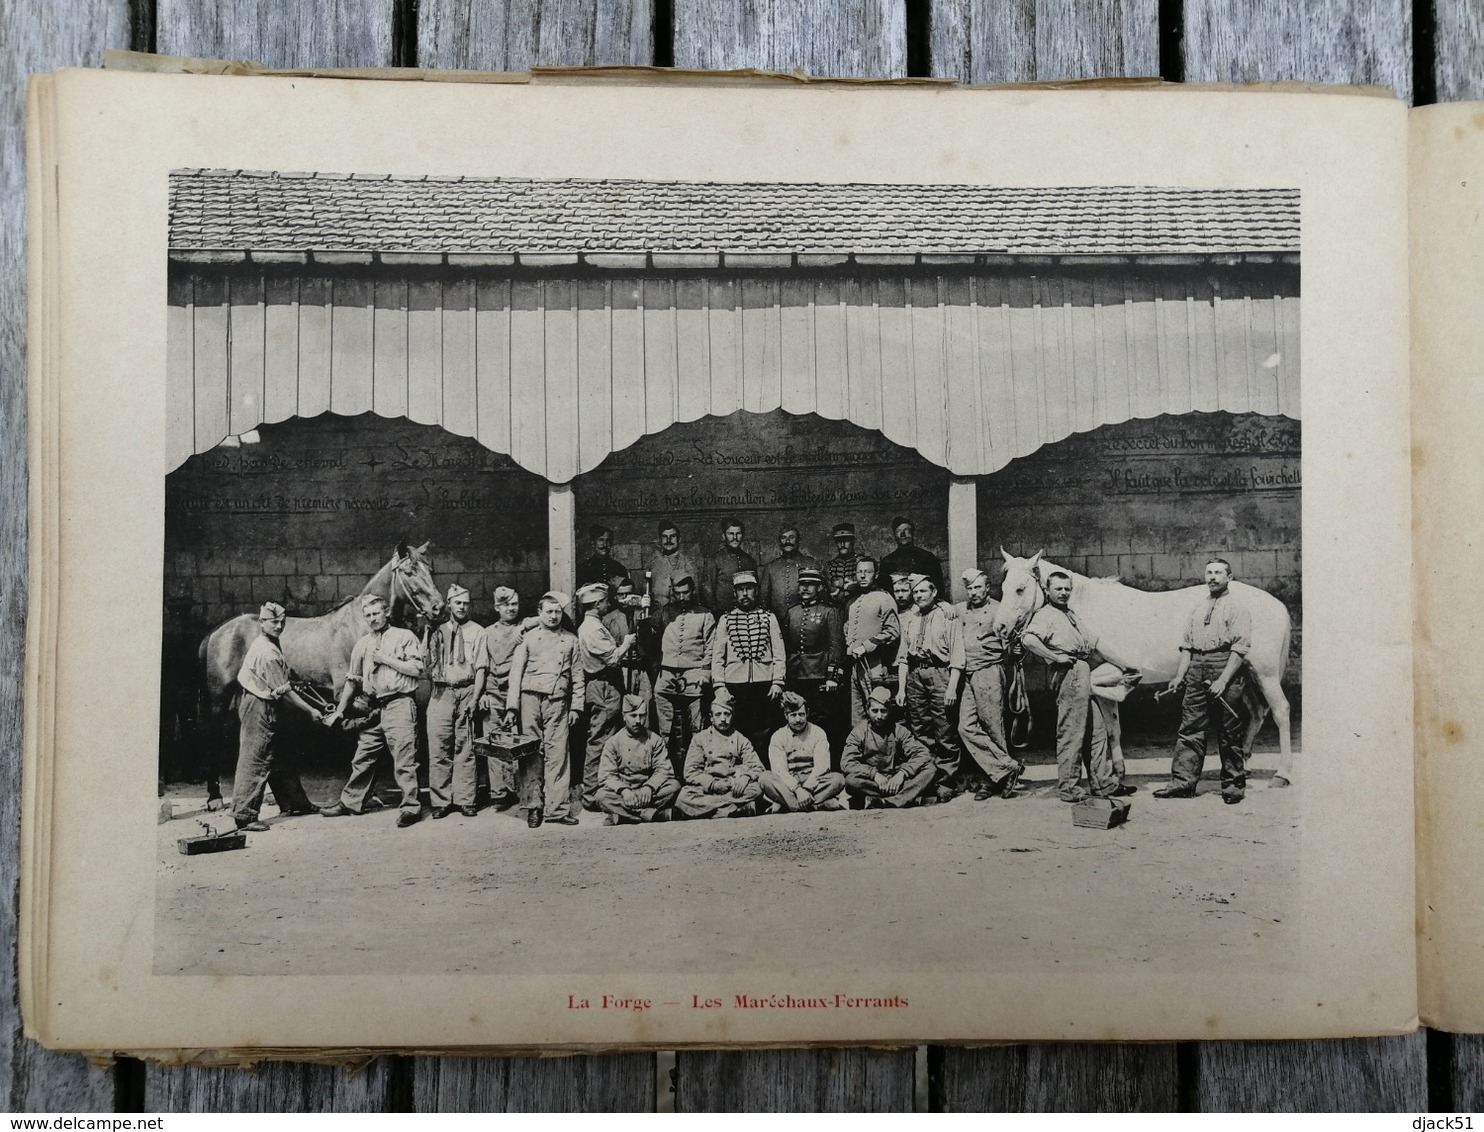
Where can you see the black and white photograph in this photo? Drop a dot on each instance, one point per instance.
(568, 576)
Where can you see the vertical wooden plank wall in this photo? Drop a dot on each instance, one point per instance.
(975, 40)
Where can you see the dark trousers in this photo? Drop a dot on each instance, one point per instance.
(755, 715)
(825, 712)
(931, 721)
(260, 763)
(1200, 710)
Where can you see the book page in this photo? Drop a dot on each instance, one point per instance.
(1139, 357)
(1448, 343)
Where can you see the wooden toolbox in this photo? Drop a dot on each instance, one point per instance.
(506, 746)
(1100, 813)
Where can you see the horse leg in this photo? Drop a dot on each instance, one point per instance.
(1272, 690)
(217, 738)
(1113, 721)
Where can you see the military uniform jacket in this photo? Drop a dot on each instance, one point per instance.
(869, 753)
(716, 584)
(814, 638)
(714, 755)
(600, 568)
(982, 646)
(664, 569)
(628, 763)
(747, 649)
(913, 560)
(778, 582)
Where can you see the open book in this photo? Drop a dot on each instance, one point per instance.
(297, 343)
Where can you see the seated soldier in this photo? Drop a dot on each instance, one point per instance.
(635, 780)
(884, 763)
(722, 770)
(800, 778)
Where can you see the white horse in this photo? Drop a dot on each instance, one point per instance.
(1142, 630)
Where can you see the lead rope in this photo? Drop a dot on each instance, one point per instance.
(1019, 707)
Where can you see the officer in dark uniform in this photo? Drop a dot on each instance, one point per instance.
(814, 640)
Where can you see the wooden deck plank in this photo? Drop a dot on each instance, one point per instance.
(607, 1083)
(527, 33)
(1054, 1078)
(828, 37)
(279, 33)
(1320, 41)
(789, 1080)
(1345, 1075)
(1005, 41)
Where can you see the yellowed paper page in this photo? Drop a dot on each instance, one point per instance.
(766, 303)
(1447, 348)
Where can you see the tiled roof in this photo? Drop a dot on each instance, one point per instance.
(236, 210)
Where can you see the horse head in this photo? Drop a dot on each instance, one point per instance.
(412, 580)
(1021, 594)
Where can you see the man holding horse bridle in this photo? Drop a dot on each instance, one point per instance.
(981, 722)
(266, 682)
(386, 665)
(1055, 634)
(930, 668)
(1218, 636)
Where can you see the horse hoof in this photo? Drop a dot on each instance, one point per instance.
(1277, 782)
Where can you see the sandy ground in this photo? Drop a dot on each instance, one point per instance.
(1181, 884)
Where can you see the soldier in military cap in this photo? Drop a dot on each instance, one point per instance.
(883, 762)
(747, 658)
(602, 656)
(778, 580)
(840, 570)
(814, 639)
(636, 782)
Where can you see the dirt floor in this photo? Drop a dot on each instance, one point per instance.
(1182, 883)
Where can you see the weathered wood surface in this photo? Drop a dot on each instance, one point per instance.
(1012, 41)
(977, 40)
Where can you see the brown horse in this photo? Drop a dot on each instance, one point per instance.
(316, 648)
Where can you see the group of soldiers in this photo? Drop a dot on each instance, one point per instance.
(720, 687)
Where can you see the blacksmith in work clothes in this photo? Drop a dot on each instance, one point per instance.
(930, 667)
(883, 762)
(872, 630)
(500, 638)
(386, 665)
(840, 570)
(685, 669)
(636, 782)
(602, 655)
(814, 639)
(266, 683)
(716, 580)
(669, 563)
(901, 592)
(747, 658)
(981, 721)
(1057, 636)
(908, 557)
(458, 666)
(778, 580)
(799, 778)
(600, 565)
(1212, 674)
(547, 691)
(723, 774)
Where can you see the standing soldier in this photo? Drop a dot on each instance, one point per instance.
(747, 658)
(930, 665)
(814, 639)
(799, 777)
(981, 722)
(840, 570)
(458, 666)
(385, 665)
(266, 681)
(500, 639)
(908, 557)
(601, 654)
(779, 579)
(901, 592)
(1066, 645)
(722, 771)
(600, 565)
(1217, 637)
(872, 629)
(630, 616)
(547, 689)
(685, 668)
(669, 563)
(636, 782)
(716, 579)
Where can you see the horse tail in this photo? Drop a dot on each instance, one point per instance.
(1285, 644)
